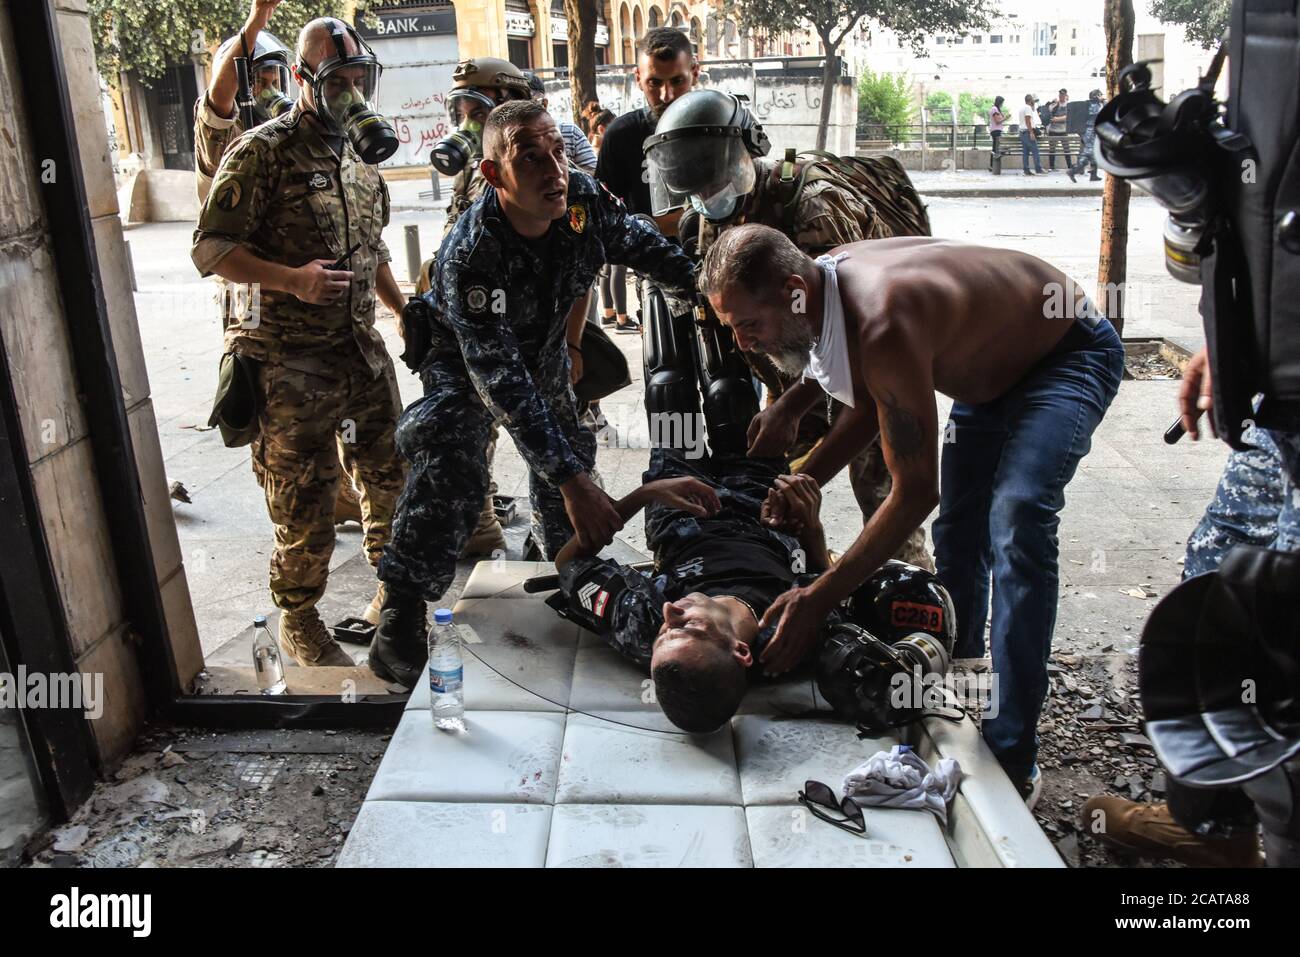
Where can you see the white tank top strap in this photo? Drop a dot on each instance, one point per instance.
(828, 360)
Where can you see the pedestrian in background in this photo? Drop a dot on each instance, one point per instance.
(1029, 135)
(997, 121)
(1058, 130)
(1088, 154)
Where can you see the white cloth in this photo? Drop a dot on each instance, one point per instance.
(899, 778)
(1028, 117)
(828, 360)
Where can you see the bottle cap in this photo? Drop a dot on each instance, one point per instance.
(442, 616)
(259, 621)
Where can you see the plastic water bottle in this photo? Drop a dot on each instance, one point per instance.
(446, 673)
(266, 659)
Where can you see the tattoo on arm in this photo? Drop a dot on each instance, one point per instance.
(902, 430)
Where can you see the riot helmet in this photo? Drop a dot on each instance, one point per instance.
(900, 600)
(344, 87)
(268, 74)
(480, 85)
(702, 151)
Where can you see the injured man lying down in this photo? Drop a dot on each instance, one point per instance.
(729, 534)
(693, 621)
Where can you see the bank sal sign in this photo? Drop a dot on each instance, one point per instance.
(133, 911)
(443, 21)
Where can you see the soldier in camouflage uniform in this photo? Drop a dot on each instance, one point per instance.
(292, 197)
(217, 124)
(507, 277)
(828, 211)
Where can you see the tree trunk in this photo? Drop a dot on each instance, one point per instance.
(830, 73)
(581, 15)
(1112, 269)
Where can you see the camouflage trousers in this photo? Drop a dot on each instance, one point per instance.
(870, 480)
(444, 438)
(1255, 504)
(317, 412)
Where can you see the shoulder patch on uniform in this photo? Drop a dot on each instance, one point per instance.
(318, 180)
(476, 298)
(578, 218)
(229, 195)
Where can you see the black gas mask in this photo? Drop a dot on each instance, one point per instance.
(1179, 152)
(262, 79)
(464, 144)
(344, 88)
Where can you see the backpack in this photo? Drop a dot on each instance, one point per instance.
(880, 182)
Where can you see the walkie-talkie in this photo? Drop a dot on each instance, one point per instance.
(342, 261)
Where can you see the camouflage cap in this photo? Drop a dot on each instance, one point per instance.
(489, 73)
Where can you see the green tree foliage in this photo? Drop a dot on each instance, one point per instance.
(147, 36)
(969, 106)
(939, 103)
(884, 99)
(1203, 20)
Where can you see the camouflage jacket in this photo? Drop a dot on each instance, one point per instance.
(213, 135)
(282, 194)
(504, 300)
(830, 212)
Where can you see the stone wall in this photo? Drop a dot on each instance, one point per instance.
(788, 107)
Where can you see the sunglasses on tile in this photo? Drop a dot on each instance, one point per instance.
(822, 802)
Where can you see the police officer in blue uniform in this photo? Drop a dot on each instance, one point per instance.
(506, 278)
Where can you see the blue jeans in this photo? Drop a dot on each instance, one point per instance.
(1002, 486)
(1029, 145)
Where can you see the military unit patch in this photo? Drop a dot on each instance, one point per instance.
(577, 218)
(318, 181)
(229, 195)
(476, 299)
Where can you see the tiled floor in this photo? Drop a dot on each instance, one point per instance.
(566, 762)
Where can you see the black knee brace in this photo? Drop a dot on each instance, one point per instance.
(730, 402)
(671, 386)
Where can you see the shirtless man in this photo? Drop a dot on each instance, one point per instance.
(883, 324)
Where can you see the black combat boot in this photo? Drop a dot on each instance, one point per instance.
(398, 651)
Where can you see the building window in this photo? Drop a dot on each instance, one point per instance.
(977, 39)
(560, 54)
(521, 54)
(958, 39)
(1074, 34)
(995, 38)
(1072, 51)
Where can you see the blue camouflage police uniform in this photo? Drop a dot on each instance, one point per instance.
(499, 352)
(1255, 504)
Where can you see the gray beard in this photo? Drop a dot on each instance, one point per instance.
(791, 362)
(791, 353)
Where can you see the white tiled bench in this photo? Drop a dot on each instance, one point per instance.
(576, 768)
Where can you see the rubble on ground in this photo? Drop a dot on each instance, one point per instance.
(221, 799)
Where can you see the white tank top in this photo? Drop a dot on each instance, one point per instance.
(828, 360)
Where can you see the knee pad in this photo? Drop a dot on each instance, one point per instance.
(671, 385)
(730, 402)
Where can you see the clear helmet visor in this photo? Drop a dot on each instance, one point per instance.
(346, 89)
(271, 89)
(712, 173)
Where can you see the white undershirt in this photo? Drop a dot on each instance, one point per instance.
(828, 360)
